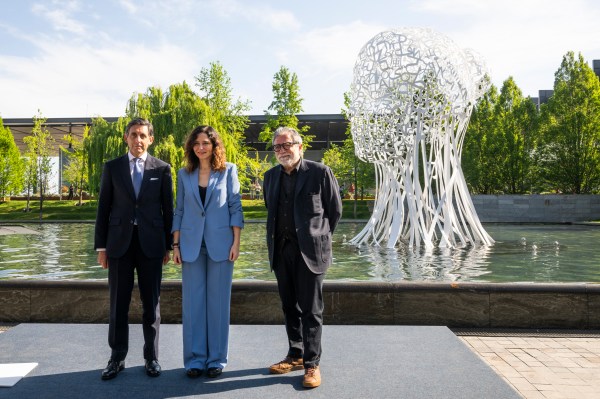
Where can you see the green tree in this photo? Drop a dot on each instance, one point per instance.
(256, 170)
(215, 88)
(174, 114)
(11, 166)
(76, 171)
(516, 118)
(227, 116)
(29, 161)
(570, 153)
(105, 142)
(286, 104)
(39, 148)
(482, 152)
(170, 153)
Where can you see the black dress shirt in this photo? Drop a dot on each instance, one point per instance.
(286, 228)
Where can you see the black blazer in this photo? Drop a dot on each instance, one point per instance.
(118, 208)
(317, 210)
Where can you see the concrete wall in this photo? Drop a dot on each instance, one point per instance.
(537, 208)
(483, 305)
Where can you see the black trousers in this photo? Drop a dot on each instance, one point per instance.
(120, 282)
(301, 293)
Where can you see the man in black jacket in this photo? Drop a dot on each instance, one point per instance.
(303, 208)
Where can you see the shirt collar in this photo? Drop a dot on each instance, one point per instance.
(131, 157)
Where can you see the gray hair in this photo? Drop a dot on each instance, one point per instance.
(284, 129)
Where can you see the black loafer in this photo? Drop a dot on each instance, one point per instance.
(152, 368)
(112, 369)
(214, 372)
(193, 373)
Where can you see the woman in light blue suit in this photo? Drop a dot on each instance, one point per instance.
(207, 224)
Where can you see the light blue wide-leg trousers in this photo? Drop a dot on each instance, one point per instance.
(206, 294)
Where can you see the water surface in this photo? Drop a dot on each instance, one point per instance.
(522, 253)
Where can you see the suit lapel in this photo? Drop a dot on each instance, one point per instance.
(212, 182)
(302, 177)
(193, 183)
(274, 193)
(125, 173)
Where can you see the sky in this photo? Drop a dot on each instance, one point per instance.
(76, 58)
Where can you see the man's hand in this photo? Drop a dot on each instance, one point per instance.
(167, 258)
(103, 259)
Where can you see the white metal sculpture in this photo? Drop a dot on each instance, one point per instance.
(411, 100)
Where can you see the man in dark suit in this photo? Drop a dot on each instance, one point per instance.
(133, 232)
(303, 208)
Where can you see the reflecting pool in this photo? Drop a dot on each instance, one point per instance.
(522, 253)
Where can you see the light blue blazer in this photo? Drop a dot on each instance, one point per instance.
(212, 221)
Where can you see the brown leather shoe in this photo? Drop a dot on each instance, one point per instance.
(286, 365)
(312, 377)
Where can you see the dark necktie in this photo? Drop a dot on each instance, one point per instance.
(137, 175)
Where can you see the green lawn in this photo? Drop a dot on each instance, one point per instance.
(67, 210)
(52, 210)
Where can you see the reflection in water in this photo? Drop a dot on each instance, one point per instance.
(522, 253)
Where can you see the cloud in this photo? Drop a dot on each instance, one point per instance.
(60, 16)
(334, 48)
(129, 6)
(259, 15)
(88, 80)
(523, 39)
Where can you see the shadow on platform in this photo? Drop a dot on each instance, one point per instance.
(357, 362)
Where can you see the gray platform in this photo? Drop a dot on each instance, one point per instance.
(357, 362)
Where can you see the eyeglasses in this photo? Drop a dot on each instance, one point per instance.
(285, 146)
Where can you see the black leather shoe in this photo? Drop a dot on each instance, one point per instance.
(112, 369)
(193, 373)
(214, 372)
(152, 368)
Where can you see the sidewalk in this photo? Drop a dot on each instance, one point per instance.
(542, 364)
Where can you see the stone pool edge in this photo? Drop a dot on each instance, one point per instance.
(469, 305)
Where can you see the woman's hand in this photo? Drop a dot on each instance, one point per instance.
(176, 256)
(234, 252)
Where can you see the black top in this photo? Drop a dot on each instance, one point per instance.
(286, 228)
(202, 193)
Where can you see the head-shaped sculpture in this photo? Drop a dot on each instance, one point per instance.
(411, 84)
(411, 99)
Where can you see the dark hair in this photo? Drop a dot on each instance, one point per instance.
(217, 161)
(141, 122)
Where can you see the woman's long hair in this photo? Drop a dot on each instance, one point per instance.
(217, 161)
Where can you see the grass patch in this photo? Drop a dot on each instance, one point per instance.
(52, 210)
(68, 210)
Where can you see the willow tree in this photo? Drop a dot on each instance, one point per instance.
(11, 167)
(76, 171)
(570, 155)
(171, 153)
(286, 104)
(105, 143)
(175, 112)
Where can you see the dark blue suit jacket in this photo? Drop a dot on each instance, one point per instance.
(317, 210)
(118, 208)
